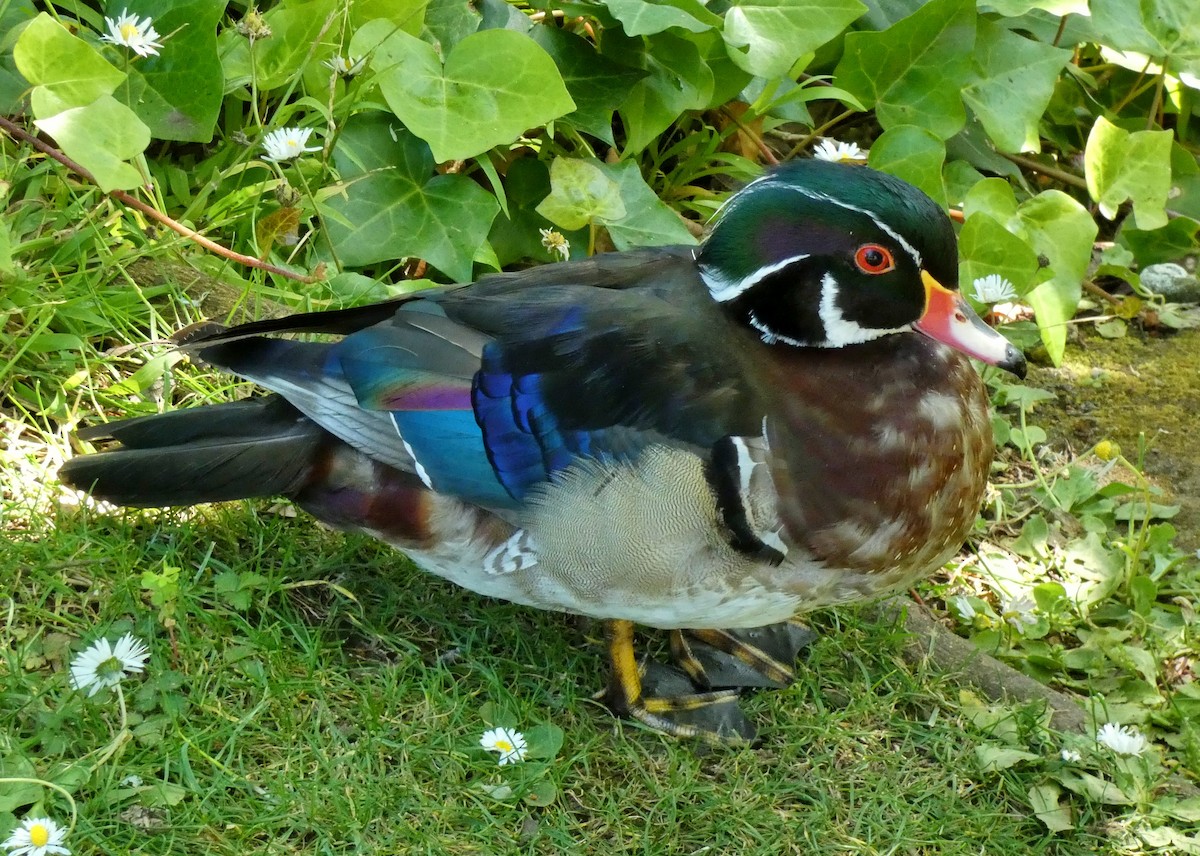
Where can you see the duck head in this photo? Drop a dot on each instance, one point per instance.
(827, 255)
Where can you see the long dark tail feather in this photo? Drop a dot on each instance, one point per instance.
(262, 447)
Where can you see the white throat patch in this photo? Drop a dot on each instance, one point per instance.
(839, 330)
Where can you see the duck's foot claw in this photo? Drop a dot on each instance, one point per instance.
(664, 699)
(757, 657)
(672, 705)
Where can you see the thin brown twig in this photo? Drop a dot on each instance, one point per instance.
(1093, 289)
(1051, 171)
(767, 154)
(19, 133)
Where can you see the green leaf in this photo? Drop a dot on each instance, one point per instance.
(1010, 85)
(613, 195)
(648, 221)
(542, 792)
(391, 205)
(1165, 29)
(408, 15)
(914, 71)
(101, 137)
(295, 28)
(70, 69)
(16, 794)
(1094, 788)
(1047, 805)
(1060, 229)
(1173, 241)
(677, 80)
(580, 193)
(544, 741)
(913, 154)
(992, 757)
(642, 18)
(596, 84)
(1136, 166)
(494, 86)
(767, 37)
(1054, 226)
(985, 247)
(173, 92)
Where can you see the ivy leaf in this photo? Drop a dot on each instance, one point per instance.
(172, 92)
(1047, 805)
(580, 193)
(985, 247)
(494, 85)
(1053, 225)
(648, 221)
(1010, 85)
(913, 72)
(615, 196)
(101, 137)
(1136, 166)
(448, 22)
(408, 15)
(596, 84)
(295, 27)
(1174, 241)
(640, 18)
(390, 206)
(1165, 29)
(767, 37)
(993, 757)
(677, 80)
(63, 66)
(913, 154)
(516, 235)
(1062, 230)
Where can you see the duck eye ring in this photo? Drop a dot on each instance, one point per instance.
(873, 258)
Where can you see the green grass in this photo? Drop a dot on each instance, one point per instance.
(310, 692)
(310, 722)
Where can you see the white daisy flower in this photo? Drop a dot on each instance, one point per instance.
(1070, 756)
(556, 244)
(509, 742)
(962, 605)
(36, 836)
(993, 288)
(139, 36)
(838, 152)
(345, 65)
(104, 665)
(1122, 739)
(1018, 611)
(287, 143)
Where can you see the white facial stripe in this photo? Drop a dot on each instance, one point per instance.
(724, 290)
(839, 330)
(812, 194)
(909, 248)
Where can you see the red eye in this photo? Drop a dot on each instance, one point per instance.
(872, 258)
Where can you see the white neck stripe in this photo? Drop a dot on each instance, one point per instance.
(770, 336)
(723, 290)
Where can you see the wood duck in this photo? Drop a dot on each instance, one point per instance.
(713, 439)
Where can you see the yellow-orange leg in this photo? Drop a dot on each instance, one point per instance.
(707, 715)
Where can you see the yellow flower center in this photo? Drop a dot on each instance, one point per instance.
(39, 835)
(128, 31)
(504, 746)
